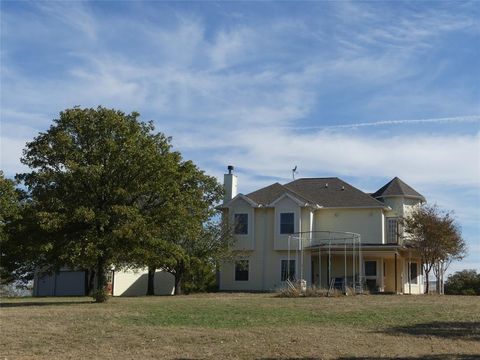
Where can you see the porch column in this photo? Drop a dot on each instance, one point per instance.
(381, 285)
(396, 287)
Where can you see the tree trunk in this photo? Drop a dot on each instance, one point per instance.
(151, 281)
(100, 292)
(178, 282)
(427, 286)
(442, 284)
(90, 282)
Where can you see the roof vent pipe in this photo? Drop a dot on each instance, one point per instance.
(343, 188)
(326, 185)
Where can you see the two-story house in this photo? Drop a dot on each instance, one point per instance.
(350, 235)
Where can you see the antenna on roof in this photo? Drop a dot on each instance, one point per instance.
(294, 171)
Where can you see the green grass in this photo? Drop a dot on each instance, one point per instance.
(242, 326)
(253, 312)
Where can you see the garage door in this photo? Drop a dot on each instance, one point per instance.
(45, 285)
(70, 283)
(64, 283)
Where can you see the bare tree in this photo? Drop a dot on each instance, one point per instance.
(437, 238)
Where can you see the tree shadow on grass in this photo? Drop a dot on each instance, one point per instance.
(444, 329)
(42, 303)
(421, 357)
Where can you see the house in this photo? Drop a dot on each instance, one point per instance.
(125, 282)
(322, 231)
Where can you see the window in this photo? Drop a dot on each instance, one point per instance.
(287, 223)
(392, 230)
(241, 270)
(241, 224)
(288, 270)
(370, 268)
(413, 273)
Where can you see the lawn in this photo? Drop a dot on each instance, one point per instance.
(244, 326)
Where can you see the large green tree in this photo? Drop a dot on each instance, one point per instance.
(10, 212)
(190, 240)
(9, 204)
(98, 177)
(437, 238)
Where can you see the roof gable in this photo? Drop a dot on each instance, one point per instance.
(240, 197)
(270, 194)
(396, 187)
(288, 196)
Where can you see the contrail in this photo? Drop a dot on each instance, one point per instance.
(470, 118)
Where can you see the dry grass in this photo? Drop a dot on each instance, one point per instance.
(242, 326)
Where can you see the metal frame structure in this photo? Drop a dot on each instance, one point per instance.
(325, 241)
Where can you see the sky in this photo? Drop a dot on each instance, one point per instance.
(365, 91)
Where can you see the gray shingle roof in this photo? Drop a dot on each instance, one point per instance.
(397, 187)
(271, 193)
(337, 193)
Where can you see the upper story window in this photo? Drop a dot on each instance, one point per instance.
(241, 224)
(392, 230)
(287, 223)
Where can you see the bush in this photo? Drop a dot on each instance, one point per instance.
(100, 296)
(290, 292)
(200, 278)
(466, 282)
(312, 291)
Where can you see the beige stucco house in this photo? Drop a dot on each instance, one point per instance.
(320, 213)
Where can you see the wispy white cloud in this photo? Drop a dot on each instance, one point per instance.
(409, 28)
(72, 14)
(421, 159)
(456, 119)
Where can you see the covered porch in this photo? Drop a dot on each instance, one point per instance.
(378, 270)
(339, 259)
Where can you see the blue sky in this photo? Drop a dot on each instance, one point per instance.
(361, 90)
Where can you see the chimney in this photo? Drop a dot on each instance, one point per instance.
(229, 185)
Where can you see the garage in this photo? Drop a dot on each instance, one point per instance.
(63, 283)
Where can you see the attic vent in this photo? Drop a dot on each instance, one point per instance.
(343, 188)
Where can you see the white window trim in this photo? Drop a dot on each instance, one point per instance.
(280, 265)
(371, 277)
(235, 271)
(248, 223)
(387, 230)
(418, 277)
(280, 222)
(297, 218)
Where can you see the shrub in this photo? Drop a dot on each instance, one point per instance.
(290, 292)
(200, 278)
(295, 292)
(466, 282)
(100, 296)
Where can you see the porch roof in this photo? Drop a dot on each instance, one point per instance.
(392, 248)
